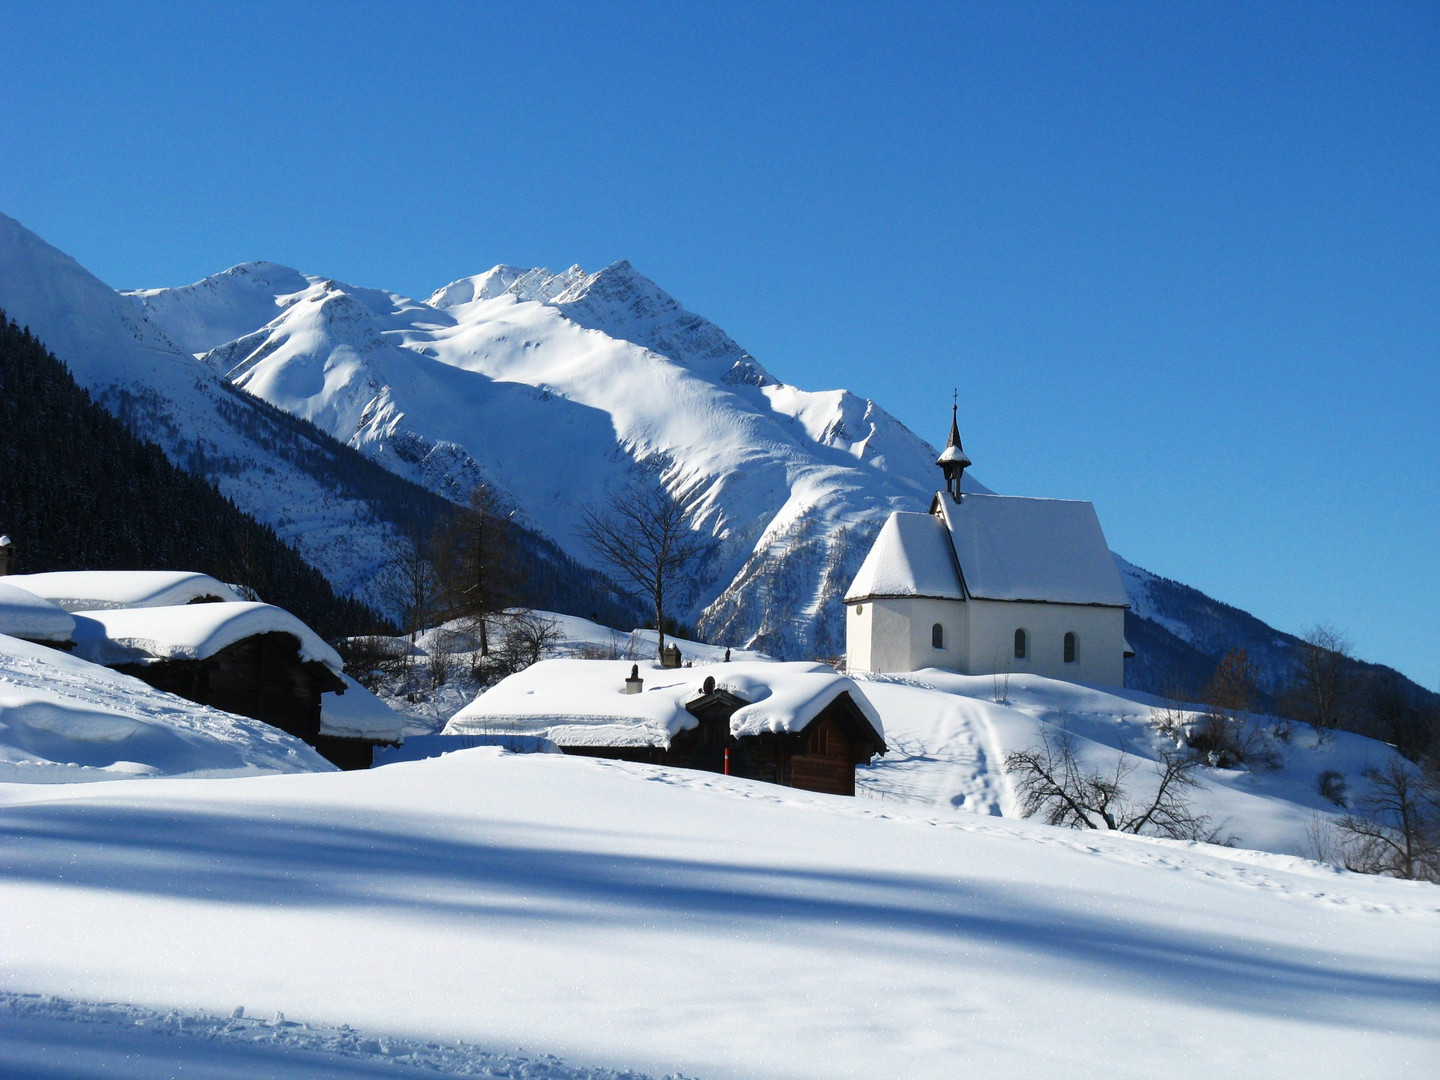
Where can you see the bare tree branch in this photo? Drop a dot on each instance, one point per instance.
(1052, 784)
(644, 537)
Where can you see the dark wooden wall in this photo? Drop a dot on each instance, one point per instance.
(822, 757)
(261, 677)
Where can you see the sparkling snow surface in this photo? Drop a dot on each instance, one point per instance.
(1032, 549)
(64, 720)
(190, 632)
(25, 615)
(93, 590)
(583, 702)
(635, 917)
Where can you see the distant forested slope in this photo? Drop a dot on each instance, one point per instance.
(78, 490)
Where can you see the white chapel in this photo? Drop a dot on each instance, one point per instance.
(988, 584)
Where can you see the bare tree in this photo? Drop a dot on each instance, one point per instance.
(415, 585)
(1224, 736)
(644, 537)
(1052, 784)
(475, 565)
(1324, 682)
(528, 636)
(1395, 828)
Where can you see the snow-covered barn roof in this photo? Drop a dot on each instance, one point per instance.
(1050, 550)
(25, 615)
(583, 702)
(94, 590)
(359, 714)
(63, 719)
(189, 632)
(910, 557)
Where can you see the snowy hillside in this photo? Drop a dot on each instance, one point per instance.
(631, 917)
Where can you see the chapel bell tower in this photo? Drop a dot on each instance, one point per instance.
(952, 460)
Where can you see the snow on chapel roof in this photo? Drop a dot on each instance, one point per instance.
(1050, 550)
(189, 632)
(92, 590)
(910, 557)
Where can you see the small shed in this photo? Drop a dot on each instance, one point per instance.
(247, 658)
(798, 724)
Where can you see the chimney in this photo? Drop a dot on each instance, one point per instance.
(634, 684)
(7, 555)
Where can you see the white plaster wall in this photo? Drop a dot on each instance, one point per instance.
(893, 634)
(1100, 634)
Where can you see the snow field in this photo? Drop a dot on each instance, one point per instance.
(627, 916)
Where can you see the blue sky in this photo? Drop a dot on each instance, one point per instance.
(1182, 260)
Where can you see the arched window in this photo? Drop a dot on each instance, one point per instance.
(1070, 648)
(937, 636)
(1022, 644)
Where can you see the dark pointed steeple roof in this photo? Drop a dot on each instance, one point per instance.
(952, 459)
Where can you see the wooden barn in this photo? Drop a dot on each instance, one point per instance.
(247, 658)
(800, 725)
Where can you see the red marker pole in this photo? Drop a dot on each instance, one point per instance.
(727, 761)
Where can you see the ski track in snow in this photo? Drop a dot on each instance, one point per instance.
(42, 1037)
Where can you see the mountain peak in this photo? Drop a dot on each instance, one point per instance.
(492, 283)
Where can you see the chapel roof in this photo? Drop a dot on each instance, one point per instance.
(912, 556)
(1048, 550)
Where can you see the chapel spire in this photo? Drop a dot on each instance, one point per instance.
(952, 460)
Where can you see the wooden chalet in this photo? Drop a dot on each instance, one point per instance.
(799, 725)
(247, 658)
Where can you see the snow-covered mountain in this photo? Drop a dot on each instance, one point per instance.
(346, 514)
(261, 461)
(550, 387)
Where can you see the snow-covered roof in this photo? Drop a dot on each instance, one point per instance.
(25, 615)
(1050, 550)
(910, 557)
(583, 702)
(63, 720)
(952, 453)
(359, 714)
(189, 632)
(93, 590)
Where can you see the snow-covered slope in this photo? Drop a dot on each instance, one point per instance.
(949, 736)
(633, 917)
